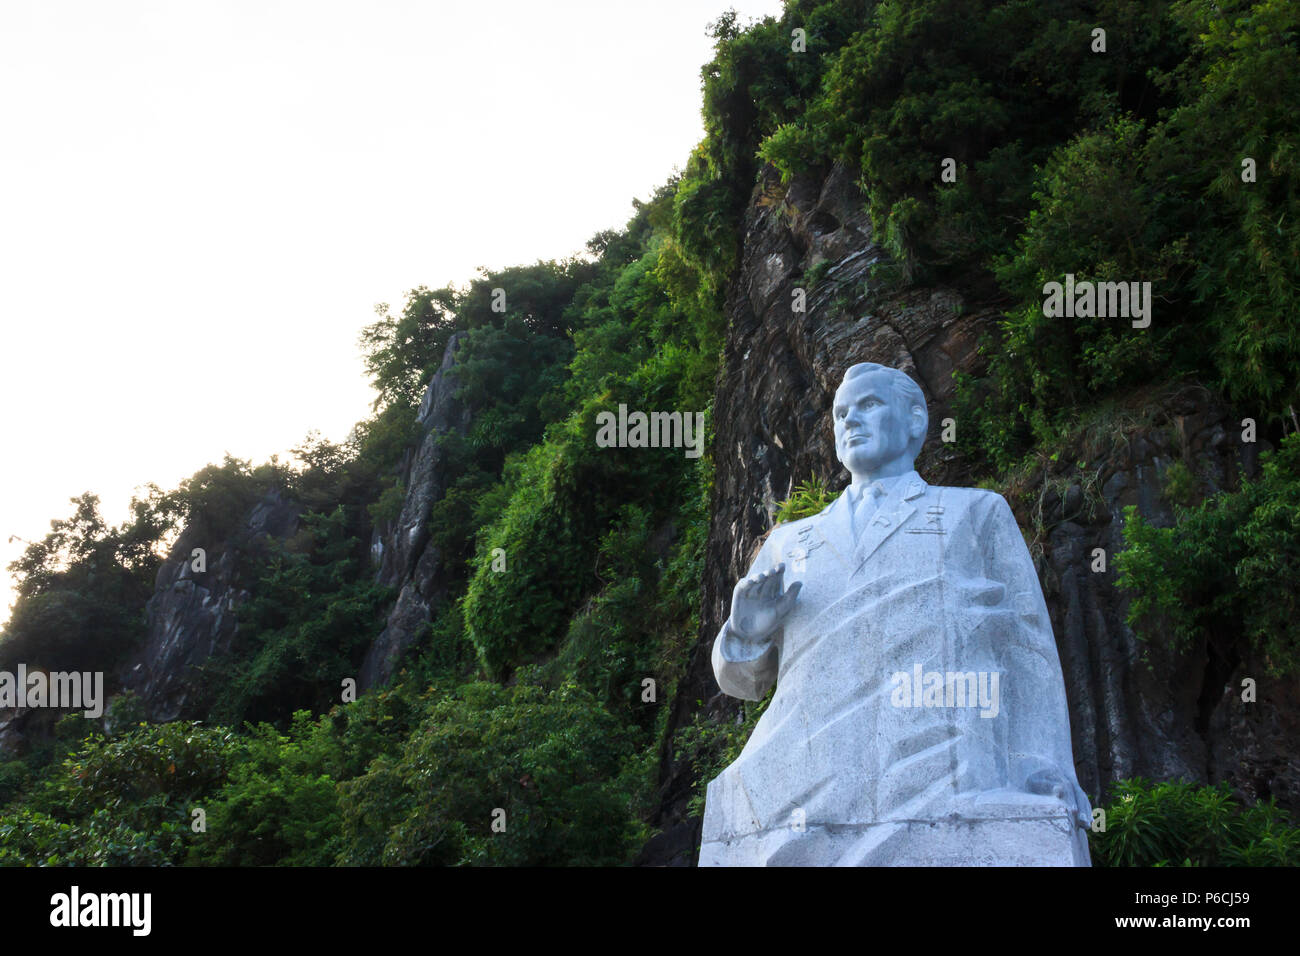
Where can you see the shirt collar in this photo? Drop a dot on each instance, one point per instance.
(880, 487)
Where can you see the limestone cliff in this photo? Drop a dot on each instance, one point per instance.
(192, 615)
(407, 560)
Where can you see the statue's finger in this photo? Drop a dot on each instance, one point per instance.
(773, 589)
(790, 596)
(774, 583)
(778, 579)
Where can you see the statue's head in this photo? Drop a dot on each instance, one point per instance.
(880, 421)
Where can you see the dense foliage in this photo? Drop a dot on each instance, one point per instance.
(1227, 567)
(1181, 824)
(1124, 165)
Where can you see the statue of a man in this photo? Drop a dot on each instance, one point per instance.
(919, 716)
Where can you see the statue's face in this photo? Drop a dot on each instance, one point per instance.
(873, 425)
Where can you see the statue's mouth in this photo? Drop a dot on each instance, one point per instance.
(855, 439)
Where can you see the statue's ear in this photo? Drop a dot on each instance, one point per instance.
(916, 428)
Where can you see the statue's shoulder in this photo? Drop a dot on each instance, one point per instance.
(975, 498)
(795, 526)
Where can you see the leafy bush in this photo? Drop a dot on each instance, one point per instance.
(303, 631)
(563, 492)
(551, 761)
(610, 645)
(810, 497)
(1177, 823)
(125, 801)
(710, 746)
(1227, 567)
(279, 804)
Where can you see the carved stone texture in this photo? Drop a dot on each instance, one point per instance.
(919, 716)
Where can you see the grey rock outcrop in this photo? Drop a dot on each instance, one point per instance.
(1142, 708)
(192, 615)
(406, 558)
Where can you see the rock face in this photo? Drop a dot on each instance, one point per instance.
(407, 560)
(1139, 708)
(1180, 716)
(191, 616)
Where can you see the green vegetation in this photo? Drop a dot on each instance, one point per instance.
(81, 588)
(310, 618)
(1227, 566)
(1125, 165)
(546, 766)
(711, 746)
(809, 498)
(1181, 824)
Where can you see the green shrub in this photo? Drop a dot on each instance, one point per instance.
(1184, 824)
(551, 761)
(304, 630)
(810, 497)
(125, 801)
(1227, 567)
(710, 746)
(279, 804)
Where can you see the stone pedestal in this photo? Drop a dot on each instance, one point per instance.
(989, 834)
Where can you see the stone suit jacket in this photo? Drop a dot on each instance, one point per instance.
(938, 582)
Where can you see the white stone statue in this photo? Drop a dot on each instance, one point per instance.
(919, 716)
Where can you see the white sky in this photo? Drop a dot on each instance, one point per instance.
(200, 204)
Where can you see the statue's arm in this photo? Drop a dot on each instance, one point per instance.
(747, 669)
(744, 671)
(1033, 689)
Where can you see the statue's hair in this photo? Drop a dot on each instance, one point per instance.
(903, 386)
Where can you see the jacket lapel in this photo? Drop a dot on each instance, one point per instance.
(895, 508)
(835, 527)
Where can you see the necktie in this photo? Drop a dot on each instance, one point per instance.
(864, 501)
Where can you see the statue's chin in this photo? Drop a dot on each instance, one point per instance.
(860, 461)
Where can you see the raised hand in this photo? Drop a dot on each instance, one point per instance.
(758, 604)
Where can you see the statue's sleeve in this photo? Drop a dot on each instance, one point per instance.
(1033, 687)
(743, 669)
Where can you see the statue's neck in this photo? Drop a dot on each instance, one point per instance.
(893, 469)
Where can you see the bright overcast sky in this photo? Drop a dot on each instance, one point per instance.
(201, 203)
